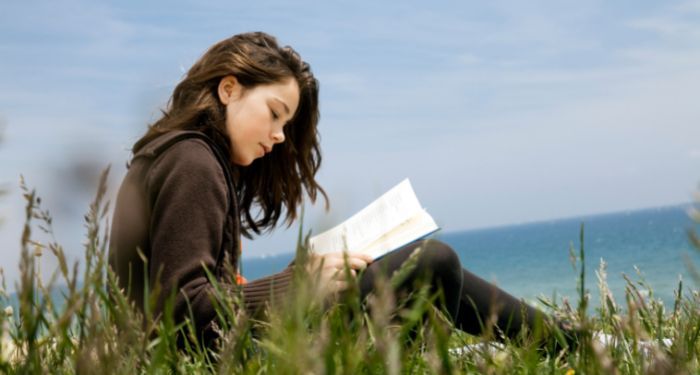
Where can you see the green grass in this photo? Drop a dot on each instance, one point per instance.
(96, 330)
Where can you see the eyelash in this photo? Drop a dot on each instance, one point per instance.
(274, 115)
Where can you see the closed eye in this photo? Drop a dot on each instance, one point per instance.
(274, 115)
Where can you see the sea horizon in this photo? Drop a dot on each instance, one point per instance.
(688, 204)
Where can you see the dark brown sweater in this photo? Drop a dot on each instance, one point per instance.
(175, 207)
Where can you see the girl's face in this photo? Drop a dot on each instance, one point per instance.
(255, 117)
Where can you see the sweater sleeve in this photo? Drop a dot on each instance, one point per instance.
(270, 289)
(189, 207)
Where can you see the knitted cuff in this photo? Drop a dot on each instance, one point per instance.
(269, 290)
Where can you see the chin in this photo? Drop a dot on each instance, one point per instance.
(243, 163)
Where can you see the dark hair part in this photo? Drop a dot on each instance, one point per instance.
(277, 179)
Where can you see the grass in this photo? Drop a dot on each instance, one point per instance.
(96, 330)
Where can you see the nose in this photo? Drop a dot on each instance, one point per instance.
(278, 136)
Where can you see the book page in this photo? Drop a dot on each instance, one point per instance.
(417, 227)
(378, 220)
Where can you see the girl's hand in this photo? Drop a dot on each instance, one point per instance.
(329, 269)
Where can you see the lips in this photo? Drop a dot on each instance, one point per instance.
(266, 149)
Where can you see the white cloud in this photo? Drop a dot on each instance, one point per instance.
(676, 22)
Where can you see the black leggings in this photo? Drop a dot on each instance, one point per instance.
(473, 303)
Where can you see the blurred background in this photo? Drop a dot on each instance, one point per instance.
(499, 112)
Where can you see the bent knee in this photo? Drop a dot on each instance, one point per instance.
(439, 257)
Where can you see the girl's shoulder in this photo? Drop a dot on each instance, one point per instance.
(184, 158)
(190, 143)
(179, 155)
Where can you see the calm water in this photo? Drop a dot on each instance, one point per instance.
(530, 260)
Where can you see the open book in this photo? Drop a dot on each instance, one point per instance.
(393, 220)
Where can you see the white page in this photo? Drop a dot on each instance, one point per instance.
(419, 226)
(362, 229)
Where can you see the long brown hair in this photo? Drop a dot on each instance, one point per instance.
(275, 182)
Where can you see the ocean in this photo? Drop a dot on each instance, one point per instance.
(533, 260)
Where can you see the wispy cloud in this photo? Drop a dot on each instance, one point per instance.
(89, 29)
(688, 7)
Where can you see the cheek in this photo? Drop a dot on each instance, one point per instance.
(247, 130)
(248, 124)
(254, 124)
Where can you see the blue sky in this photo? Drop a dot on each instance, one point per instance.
(499, 112)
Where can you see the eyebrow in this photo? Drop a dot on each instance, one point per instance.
(284, 104)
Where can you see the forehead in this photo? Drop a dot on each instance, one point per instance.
(286, 91)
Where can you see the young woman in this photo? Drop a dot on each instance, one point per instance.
(232, 155)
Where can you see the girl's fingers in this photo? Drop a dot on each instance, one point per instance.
(324, 261)
(338, 261)
(364, 256)
(355, 260)
(340, 274)
(339, 285)
(357, 263)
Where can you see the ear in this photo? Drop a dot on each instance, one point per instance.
(229, 89)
